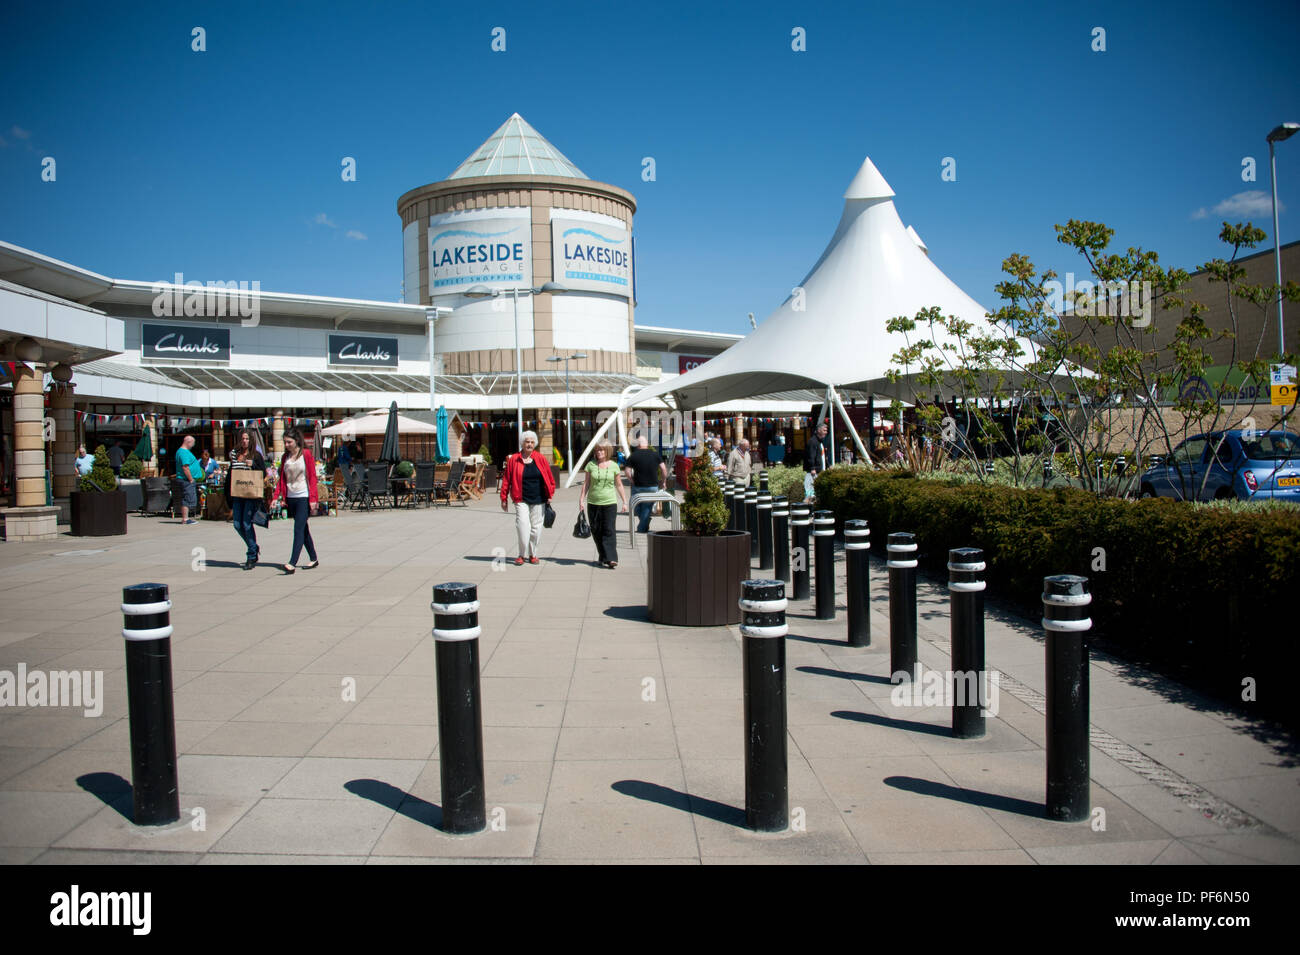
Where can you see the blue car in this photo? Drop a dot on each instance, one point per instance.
(1246, 465)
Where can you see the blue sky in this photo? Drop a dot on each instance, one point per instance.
(225, 164)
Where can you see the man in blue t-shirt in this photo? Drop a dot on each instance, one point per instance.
(188, 470)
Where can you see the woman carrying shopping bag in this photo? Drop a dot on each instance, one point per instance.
(529, 484)
(297, 488)
(244, 485)
(600, 491)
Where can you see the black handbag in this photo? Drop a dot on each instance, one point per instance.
(260, 517)
(549, 519)
(581, 529)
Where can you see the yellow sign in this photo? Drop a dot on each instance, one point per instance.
(1284, 394)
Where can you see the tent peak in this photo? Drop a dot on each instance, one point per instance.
(868, 183)
(917, 239)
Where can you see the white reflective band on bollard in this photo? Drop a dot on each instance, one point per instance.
(1068, 600)
(900, 564)
(780, 631)
(900, 548)
(1067, 626)
(763, 606)
(140, 610)
(155, 634)
(470, 606)
(978, 565)
(967, 587)
(848, 546)
(451, 636)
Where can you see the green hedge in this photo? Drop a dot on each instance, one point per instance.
(1207, 593)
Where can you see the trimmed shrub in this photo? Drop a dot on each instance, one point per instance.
(1204, 592)
(404, 469)
(132, 466)
(101, 477)
(704, 512)
(785, 480)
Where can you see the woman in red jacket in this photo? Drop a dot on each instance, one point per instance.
(529, 483)
(297, 487)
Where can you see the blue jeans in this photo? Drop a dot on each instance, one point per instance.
(243, 510)
(298, 509)
(643, 510)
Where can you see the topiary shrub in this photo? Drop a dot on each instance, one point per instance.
(785, 480)
(404, 469)
(101, 477)
(132, 466)
(704, 512)
(485, 454)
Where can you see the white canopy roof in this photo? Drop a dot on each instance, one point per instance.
(376, 422)
(873, 270)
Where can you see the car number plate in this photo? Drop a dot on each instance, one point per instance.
(1288, 482)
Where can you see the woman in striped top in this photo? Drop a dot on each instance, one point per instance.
(245, 457)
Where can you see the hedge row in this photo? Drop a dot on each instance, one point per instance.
(1208, 594)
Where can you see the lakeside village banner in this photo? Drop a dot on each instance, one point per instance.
(591, 256)
(469, 248)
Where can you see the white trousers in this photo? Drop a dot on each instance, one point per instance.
(528, 522)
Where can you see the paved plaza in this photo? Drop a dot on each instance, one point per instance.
(307, 718)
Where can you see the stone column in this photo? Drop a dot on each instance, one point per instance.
(277, 436)
(219, 433)
(545, 433)
(65, 439)
(29, 448)
(151, 421)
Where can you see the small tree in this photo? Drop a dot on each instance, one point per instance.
(101, 476)
(704, 513)
(132, 466)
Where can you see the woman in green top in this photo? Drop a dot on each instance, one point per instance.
(600, 491)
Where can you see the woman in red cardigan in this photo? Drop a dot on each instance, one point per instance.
(297, 487)
(528, 482)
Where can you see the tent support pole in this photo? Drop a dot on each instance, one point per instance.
(857, 438)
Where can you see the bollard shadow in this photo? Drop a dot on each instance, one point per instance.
(697, 805)
(972, 797)
(637, 612)
(822, 640)
(889, 722)
(399, 800)
(845, 674)
(233, 565)
(111, 789)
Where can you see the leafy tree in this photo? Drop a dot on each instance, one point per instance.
(704, 512)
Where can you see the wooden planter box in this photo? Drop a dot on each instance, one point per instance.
(98, 513)
(695, 581)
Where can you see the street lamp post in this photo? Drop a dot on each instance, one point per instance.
(568, 409)
(1277, 135)
(482, 291)
(433, 313)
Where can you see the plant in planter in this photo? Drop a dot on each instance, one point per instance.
(694, 574)
(132, 466)
(98, 507)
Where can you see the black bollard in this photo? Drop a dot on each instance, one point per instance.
(762, 624)
(966, 609)
(901, 551)
(460, 715)
(740, 508)
(147, 627)
(857, 579)
(729, 495)
(824, 534)
(751, 520)
(764, 528)
(1065, 618)
(781, 537)
(800, 558)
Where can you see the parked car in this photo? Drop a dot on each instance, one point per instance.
(1246, 465)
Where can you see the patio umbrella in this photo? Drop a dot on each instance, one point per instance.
(144, 450)
(444, 452)
(390, 452)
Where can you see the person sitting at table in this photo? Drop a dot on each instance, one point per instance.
(208, 463)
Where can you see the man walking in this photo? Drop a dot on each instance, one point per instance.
(115, 458)
(647, 473)
(820, 456)
(738, 463)
(188, 471)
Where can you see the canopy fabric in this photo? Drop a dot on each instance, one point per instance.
(376, 422)
(444, 449)
(390, 451)
(832, 331)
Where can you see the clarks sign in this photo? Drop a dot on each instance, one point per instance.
(363, 351)
(184, 343)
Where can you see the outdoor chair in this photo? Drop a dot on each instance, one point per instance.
(424, 482)
(354, 487)
(471, 483)
(376, 486)
(451, 487)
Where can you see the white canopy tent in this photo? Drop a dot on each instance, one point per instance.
(830, 333)
(376, 422)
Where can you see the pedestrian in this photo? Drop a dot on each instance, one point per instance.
(530, 485)
(738, 465)
(600, 491)
(647, 473)
(207, 463)
(115, 458)
(715, 459)
(187, 473)
(245, 458)
(297, 488)
(85, 462)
